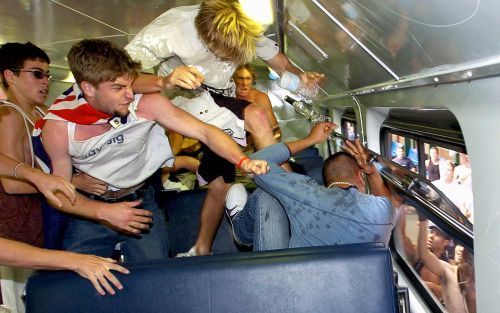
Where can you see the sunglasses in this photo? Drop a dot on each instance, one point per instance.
(39, 74)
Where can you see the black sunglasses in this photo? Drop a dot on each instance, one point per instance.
(39, 74)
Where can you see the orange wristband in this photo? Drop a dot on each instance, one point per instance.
(240, 163)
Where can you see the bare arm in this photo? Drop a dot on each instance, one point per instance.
(319, 133)
(158, 108)
(48, 185)
(94, 268)
(14, 136)
(123, 216)
(429, 259)
(281, 64)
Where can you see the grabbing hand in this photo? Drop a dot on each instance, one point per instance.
(321, 131)
(97, 270)
(48, 185)
(359, 153)
(257, 167)
(187, 77)
(125, 217)
(89, 184)
(309, 79)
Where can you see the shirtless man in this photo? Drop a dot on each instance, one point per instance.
(244, 78)
(101, 128)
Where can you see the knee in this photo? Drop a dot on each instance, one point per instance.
(255, 116)
(219, 186)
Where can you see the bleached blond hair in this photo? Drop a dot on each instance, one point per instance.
(227, 31)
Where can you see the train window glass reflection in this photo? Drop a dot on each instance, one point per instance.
(404, 151)
(349, 129)
(443, 265)
(449, 170)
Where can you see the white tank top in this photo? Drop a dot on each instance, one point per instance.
(125, 156)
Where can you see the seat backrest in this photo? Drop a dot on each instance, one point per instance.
(347, 278)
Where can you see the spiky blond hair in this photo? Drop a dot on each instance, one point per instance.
(227, 31)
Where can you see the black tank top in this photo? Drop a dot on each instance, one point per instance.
(433, 171)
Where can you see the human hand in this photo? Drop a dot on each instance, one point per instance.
(255, 166)
(89, 184)
(321, 131)
(360, 154)
(48, 185)
(309, 79)
(97, 270)
(125, 217)
(188, 77)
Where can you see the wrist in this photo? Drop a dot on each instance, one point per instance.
(241, 161)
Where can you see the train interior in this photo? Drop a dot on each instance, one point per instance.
(413, 80)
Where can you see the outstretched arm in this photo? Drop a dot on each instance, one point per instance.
(158, 108)
(319, 133)
(94, 268)
(281, 64)
(48, 185)
(429, 259)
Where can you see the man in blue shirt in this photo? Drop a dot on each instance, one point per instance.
(338, 213)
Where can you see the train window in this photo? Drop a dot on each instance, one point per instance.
(404, 151)
(449, 170)
(444, 267)
(433, 238)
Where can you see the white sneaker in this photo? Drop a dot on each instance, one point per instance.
(190, 253)
(175, 186)
(236, 198)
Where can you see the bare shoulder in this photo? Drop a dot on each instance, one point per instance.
(151, 104)
(260, 97)
(54, 130)
(11, 121)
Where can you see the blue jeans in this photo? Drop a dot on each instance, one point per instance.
(90, 237)
(263, 222)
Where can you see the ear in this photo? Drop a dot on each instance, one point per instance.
(88, 89)
(8, 75)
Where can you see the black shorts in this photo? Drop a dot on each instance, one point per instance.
(211, 165)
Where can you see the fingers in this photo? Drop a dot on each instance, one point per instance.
(103, 281)
(257, 167)
(67, 189)
(95, 282)
(53, 199)
(187, 77)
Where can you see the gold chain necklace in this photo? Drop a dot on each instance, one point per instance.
(340, 183)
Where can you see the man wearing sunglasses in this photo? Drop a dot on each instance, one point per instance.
(25, 77)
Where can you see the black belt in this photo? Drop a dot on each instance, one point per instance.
(228, 92)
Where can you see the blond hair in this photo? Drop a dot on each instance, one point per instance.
(96, 61)
(227, 31)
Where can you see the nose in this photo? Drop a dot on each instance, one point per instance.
(129, 93)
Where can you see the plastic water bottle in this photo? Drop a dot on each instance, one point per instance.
(292, 83)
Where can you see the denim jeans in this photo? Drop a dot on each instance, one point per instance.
(91, 237)
(317, 215)
(263, 223)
